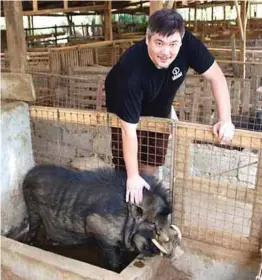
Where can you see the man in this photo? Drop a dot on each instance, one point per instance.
(144, 83)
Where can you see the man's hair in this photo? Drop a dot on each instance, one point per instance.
(166, 22)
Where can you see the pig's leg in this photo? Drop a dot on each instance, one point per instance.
(112, 258)
(34, 218)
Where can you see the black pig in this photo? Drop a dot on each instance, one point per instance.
(76, 205)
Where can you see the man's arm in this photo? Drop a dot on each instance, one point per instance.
(135, 183)
(224, 129)
(130, 147)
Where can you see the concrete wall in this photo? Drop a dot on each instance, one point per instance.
(16, 160)
(30, 263)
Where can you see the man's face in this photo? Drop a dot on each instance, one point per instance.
(162, 49)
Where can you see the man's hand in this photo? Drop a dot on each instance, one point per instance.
(134, 189)
(224, 131)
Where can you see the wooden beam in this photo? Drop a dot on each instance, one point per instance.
(155, 6)
(16, 44)
(195, 19)
(243, 41)
(247, 11)
(108, 21)
(68, 10)
(234, 56)
(169, 4)
(97, 118)
(239, 19)
(65, 4)
(201, 132)
(35, 5)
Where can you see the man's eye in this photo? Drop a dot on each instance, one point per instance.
(159, 44)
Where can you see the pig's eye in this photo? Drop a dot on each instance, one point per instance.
(146, 247)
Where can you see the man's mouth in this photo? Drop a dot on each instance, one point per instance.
(164, 59)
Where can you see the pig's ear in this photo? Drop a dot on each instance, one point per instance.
(136, 211)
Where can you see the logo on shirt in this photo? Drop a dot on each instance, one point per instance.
(176, 73)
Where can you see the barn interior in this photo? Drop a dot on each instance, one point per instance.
(55, 56)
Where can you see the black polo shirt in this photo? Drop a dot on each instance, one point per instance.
(135, 87)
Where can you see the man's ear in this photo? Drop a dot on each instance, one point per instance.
(147, 38)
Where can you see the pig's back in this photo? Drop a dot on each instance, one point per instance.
(54, 185)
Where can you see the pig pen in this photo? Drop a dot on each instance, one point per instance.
(79, 140)
(215, 203)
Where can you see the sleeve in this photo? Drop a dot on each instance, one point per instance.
(199, 57)
(124, 96)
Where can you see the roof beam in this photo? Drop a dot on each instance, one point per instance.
(68, 10)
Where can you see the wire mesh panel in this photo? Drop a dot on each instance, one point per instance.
(194, 102)
(218, 188)
(83, 140)
(35, 62)
(70, 137)
(84, 88)
(75, 91)
(63, 59)
(92, 84)
(107, 56)
(38, 62)
(217, 196)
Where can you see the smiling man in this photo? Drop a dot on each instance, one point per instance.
(144, 82)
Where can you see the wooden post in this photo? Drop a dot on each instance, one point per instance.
(170, 4)
(32, 26)
(108, 32)
(247, 12)
(35, 5)
(28, 32)
(15, 35)
(239, 20)
(55, 35)
(74, 29)
(65, 4)
(174, 5)
(242, 22)
(155, 6)
(195, 18)
(83, 31)
(243, 41)
(29, 25)
(234, 56)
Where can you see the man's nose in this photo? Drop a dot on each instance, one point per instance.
(165, 50)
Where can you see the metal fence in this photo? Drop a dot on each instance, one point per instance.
(84, 88)
(216, 188)
(83, 140)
